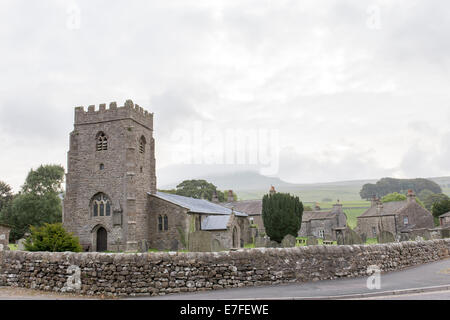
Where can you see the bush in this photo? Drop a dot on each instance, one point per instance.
(53, 238)
(282, 215)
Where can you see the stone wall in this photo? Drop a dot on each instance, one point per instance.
(164, 273)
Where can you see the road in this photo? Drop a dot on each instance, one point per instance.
(435, 274)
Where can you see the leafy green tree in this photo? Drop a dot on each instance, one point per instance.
(37, 203)
(200, 189)
(53, 238)
(386, 186)
(393, 197)
(433, 198)
(45, 179)
(440, 208)
(282, 215)
(5, 195)
(424, 194)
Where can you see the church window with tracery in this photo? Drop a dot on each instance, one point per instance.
(101, 205)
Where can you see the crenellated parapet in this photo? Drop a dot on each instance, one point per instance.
(128, 111)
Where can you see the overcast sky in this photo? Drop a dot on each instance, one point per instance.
(346, 89)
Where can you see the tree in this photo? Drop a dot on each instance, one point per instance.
(53, 238)
(440, 208)
(200, 189)
(389, 185)
(424, 194)
(46, 178)
(5, 195)
(433, 198)
(37, 203)
(393, 197)
(282, 215)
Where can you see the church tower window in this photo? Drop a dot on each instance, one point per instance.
(102, 142)
(142, 143)
(101, 205)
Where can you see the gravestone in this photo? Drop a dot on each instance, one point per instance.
(21, 244)
(260, 242)
(143, 246)
(363, 238)
(216, 246)
(404, 237)
(340, 238)
(289, 241)
(200, 241)
(312, 241)
(445, 233)
(351, 237)
(273, 244)
(385, 237)
(174, 245)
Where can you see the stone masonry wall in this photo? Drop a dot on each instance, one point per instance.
(163, 273)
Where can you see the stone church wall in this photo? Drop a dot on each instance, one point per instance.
(163, 273)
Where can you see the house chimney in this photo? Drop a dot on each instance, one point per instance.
(379, 207)
(215, 198)
(337, 205)
(272, 190)
(230, 196)
(411, 196)
(374, 201)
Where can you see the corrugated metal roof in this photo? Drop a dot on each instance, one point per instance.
(197, 205)
(215, 222)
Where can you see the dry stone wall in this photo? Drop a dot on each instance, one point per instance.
(125, 274)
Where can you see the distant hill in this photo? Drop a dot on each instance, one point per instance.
(252, 185)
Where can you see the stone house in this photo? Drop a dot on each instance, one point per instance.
(179, 218)
(111, 200)
(396, 217)
(253, 208)
(323, 224)
(444, 220)
(4, 236)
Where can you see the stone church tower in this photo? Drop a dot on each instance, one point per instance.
(111, 168)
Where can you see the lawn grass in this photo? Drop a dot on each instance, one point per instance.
(372, 241)
(12, 246)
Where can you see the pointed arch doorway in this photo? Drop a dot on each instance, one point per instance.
(102, 239)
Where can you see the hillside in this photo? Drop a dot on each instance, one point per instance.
(252, 185)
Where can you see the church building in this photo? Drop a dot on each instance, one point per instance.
(111, 201)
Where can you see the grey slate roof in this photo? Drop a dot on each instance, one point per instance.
(215, 222)
(250, 207)
(321, 215)
(388, 209)
(197, 205)
(445, 215)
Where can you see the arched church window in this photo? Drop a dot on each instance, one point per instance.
(166, 223)
(142, 143)
(101, 205)
(102, 142)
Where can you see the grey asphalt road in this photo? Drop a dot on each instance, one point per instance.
(438, 295)
(428, 275)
